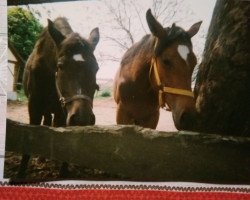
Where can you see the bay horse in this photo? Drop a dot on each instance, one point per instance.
(156, 72)
(60, 78)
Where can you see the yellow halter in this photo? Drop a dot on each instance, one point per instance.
(164, 89)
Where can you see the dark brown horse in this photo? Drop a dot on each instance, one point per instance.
(60, 79)
(60, 76)
(156, 72)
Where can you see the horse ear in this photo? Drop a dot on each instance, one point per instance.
(194, 29)
(94, 37)
(56, 35)
(155, 27)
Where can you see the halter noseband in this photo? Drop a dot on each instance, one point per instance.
(64, 100)
(164, 89)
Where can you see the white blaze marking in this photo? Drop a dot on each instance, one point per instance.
(183, 50)
(78, 57)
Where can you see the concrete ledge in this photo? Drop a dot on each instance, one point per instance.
(137, 153)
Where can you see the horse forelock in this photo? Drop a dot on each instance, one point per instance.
(172, 34)
(75, 42)
(74, 45)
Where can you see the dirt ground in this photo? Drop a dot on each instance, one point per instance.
(104, 110)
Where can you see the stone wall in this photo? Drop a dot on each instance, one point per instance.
(138, 154)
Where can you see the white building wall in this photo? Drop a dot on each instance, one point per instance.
(3, 80)
(11, 94)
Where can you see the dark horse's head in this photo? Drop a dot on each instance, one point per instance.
(173, 63)
(75, 73)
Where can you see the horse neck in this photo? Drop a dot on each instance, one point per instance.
(147, 52)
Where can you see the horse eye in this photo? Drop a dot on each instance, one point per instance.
(60, 65)
(60, 62)
(167, 62)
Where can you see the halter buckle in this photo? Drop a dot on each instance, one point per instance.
(62, 100)
(164, 89)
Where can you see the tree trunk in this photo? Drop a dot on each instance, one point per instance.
(222, 89)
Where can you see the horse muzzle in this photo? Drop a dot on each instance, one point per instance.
(79, 113)
(186, 120)
(80, 120)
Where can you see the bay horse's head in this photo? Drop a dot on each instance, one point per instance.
(172, 66)
(75, 74)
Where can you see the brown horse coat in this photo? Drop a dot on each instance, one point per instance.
(59, 51)
(136, 90)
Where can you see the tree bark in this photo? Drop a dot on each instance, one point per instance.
(222, 89)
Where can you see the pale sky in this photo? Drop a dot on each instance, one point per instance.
(86, 15)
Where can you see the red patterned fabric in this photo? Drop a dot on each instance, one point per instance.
(19, 193)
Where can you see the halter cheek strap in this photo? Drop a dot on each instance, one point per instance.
(64, 100)
(165, 89)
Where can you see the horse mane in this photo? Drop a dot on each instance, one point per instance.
(140, 48)
(62, 24)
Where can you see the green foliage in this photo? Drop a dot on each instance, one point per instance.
(21, 96)
(23, 30)
(106, 93)
(103, 93)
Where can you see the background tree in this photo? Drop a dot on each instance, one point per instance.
(23, 30)
(129, 18)
(223, 81)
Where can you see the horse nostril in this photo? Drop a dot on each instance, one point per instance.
(92, 119)
(187, 121)
(73, 120)
(81, 120)
(184, 117)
